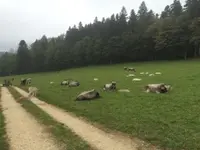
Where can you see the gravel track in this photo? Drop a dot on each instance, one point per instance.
(24, 132)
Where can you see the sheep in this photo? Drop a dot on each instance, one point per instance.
(131, 69)
(110, 86)
(130, 75)
(137, 79)
(64, 82)
(32, 91)
(51, 82)
(28, 81)
(151, 75)
(73, 84)
(23, 81)
(96, 79)
(141, 73)
(88, 95)
(157, 88)
(158, 73)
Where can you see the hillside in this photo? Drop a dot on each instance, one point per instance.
(169, 120)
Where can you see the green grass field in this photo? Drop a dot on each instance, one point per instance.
(168, 120)
(3, 138)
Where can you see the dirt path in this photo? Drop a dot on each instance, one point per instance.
(24, 132)
(94, 136)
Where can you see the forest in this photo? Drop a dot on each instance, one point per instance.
(123, 37)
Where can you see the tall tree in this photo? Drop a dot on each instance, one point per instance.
(23, 58)
(193, 8)
(166, 12)
(132, 20)
(176, 8)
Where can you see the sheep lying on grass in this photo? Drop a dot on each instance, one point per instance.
(70, 83)
(110, 86)
(157, 88)
(88, 95)
(129, 69)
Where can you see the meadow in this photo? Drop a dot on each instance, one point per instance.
(169, 120)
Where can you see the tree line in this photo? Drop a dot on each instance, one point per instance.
(141, 36)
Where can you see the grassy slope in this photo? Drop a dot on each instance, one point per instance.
(170, 120)
(60, 132)
(3, 140)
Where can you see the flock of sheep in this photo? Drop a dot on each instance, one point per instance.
(93, 94)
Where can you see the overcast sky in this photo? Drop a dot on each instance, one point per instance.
(30, 19)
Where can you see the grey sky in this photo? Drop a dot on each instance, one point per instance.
(30, 19)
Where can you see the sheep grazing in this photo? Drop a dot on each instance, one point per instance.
(141, 73)
(96, 79)
(88, 95)
(51, 82)
(110, 86)
(32, 91)
(157, 88)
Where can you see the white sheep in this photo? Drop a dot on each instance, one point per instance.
(137, 79)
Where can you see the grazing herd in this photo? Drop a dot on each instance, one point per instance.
(93, 94)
